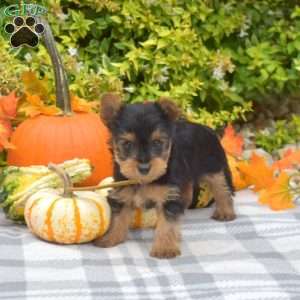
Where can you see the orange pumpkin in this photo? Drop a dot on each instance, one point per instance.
(45, 139)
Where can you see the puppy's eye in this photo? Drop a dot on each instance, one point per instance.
(127, 146)
(157, 145)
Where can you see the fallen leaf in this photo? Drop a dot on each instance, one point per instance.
(81, 105)
(35, 86)
(232, 142)
(8, 106)
(8, 111)
(257, 172)
(34, 106)
(5, 133)
(289, 160)
(278, 195)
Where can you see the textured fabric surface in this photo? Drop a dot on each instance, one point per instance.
(257, 256)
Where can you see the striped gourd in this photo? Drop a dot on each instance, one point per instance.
(18, 183)
(68, 217)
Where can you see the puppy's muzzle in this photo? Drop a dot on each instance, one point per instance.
(144, 168)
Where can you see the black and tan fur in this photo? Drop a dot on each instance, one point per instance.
(170, 157)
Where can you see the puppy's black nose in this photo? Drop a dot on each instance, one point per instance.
(144, 168)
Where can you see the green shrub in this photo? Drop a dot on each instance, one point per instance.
(10, 69)
(210, 56)
(283, 132)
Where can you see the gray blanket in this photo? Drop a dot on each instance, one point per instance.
(257, 256)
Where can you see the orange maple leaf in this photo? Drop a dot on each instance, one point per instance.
(278, 195)
(35, 86)
(81, 105)
(257, 172)
(289, 159)
(232, 142)
(5, 133)
(8, 106)
(36, 95)
(35, 106)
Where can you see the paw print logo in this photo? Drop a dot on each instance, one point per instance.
(24, 31)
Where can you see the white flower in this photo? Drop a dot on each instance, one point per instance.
(79, 66)
(73, 51)
(129, 89)
(165, 71)
(62, 16)
(243, 33)
(218, 73)
(228, 7)
(233, 89)
(162, 79)
(28, 57)
(266, 131)
(244, 28)
(151, 2)
(100, 71)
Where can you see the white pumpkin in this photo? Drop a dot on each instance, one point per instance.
(104, 192)
(68, 217)
(67, 220)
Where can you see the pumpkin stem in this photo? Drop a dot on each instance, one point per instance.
(106, 186)
(61, 83)
(64, 177)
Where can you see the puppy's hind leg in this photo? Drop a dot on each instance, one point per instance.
(187, 192)
(222, 193)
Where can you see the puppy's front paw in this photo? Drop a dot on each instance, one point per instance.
(224, 214)
(107, 242)
(165, 252)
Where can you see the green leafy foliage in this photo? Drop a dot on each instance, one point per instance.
(212, 57)
(10, 69)
(284, 132)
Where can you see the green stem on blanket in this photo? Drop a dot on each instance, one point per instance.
(105, 186)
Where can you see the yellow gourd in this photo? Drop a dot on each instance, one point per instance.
(148, 218)
(67, 217)
(238, 179)
(142, 218)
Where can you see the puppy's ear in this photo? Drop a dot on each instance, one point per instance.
(168, 106)
(110, 107)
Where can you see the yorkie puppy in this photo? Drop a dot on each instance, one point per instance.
(170, 157)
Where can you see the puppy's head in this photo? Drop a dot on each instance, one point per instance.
(141, 135)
